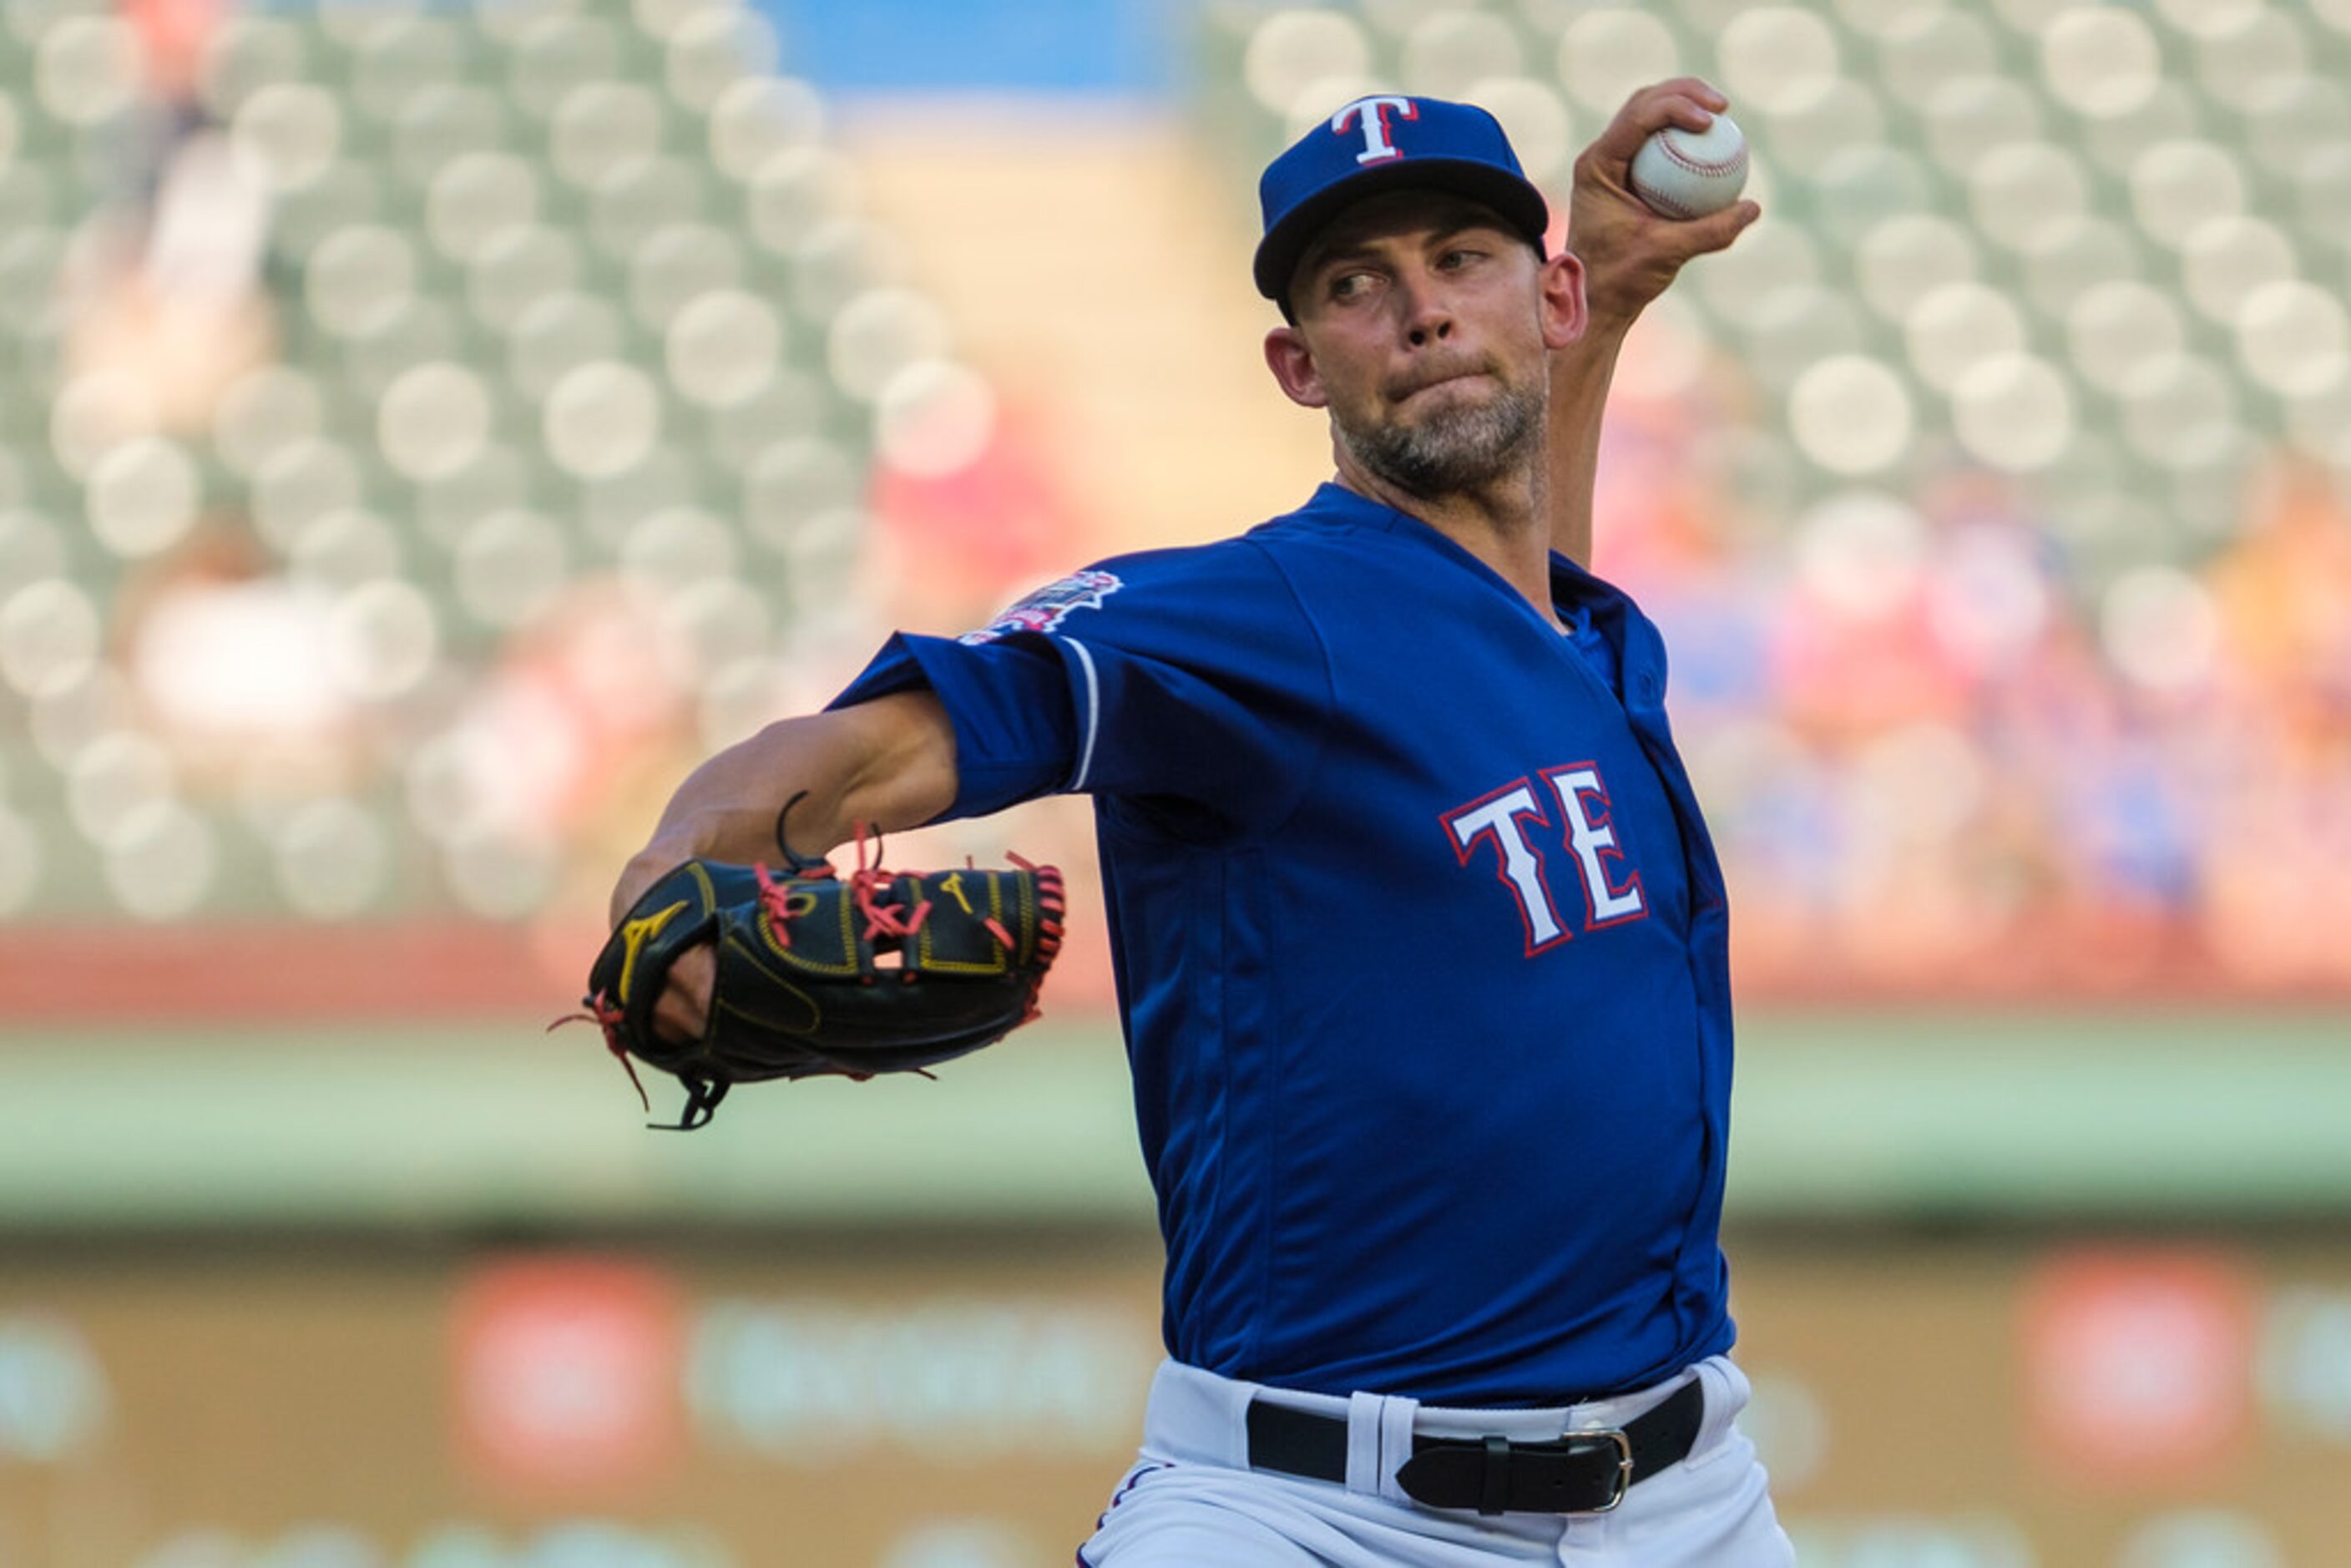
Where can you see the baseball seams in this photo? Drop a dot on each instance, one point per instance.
(1673, 150)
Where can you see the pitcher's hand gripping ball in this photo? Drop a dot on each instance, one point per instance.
(875, 972)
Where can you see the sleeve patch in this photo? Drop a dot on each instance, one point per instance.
(1046, 609)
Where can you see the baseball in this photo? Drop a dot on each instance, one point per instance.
(1690, 174)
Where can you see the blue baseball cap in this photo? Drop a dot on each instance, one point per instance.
(1382, 144)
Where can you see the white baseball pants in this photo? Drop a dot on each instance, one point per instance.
(1192, 1500)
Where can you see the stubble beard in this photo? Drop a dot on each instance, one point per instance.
(1454, 450)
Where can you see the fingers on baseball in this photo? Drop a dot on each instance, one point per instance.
(1695, 89)
(1681, 110)
(1689, 102)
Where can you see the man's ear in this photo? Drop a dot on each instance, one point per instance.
(1561, 284)
(1292, 364)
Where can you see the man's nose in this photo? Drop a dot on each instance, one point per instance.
(1427, 319)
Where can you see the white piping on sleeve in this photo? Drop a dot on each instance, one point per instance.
(1092, 715)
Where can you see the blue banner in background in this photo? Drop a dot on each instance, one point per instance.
(1114, 47)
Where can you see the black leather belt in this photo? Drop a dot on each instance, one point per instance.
(1582, 1473)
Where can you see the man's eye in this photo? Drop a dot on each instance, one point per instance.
(1457, 258)
(1349, 285)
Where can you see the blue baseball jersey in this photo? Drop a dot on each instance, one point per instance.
(1420, 941)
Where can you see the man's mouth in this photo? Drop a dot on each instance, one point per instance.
(1431, 384)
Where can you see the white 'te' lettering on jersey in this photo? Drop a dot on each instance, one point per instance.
(1497, 817)
(1592, 839)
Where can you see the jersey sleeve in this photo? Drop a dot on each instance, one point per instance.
(1008, 701)
(1188, 683)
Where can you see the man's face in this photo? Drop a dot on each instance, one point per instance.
(1419, 327)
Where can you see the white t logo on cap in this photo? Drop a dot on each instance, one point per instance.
(1373, 114)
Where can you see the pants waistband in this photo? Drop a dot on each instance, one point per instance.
(1199, 1416)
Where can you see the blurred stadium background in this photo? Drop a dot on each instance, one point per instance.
(426, 429)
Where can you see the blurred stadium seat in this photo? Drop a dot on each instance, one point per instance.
(546, 294)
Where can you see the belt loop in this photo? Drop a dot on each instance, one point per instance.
(1365, 1471)
(1396, 1418)
(1494, 1485)
(1727, 1393)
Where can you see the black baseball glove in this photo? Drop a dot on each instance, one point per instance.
(875, 972)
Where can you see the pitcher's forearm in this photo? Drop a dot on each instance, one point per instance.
(727, 809)
(889, 764)
(1580, 375)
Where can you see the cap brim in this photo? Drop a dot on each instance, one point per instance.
(1518, 202)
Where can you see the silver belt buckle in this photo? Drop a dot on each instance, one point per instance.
(1624, 1464)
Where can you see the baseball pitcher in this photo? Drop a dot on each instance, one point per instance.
(1420, 940)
